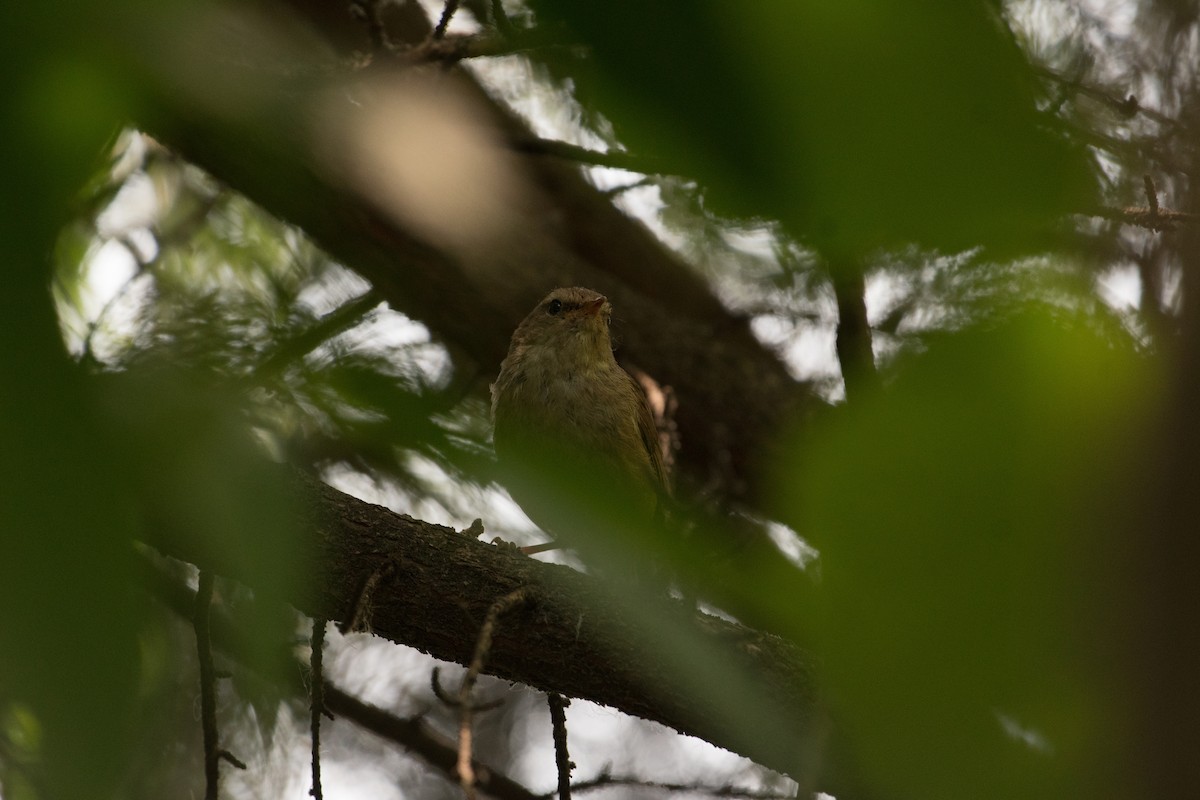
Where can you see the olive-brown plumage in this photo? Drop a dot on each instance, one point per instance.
(562, 398)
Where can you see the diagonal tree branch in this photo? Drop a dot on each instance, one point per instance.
(738, 688)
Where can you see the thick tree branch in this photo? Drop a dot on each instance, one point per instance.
(571, 636)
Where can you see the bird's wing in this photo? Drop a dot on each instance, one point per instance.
(648, 431)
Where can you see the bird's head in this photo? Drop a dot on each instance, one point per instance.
(569, 326)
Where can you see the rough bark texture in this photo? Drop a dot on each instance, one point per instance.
(430, 587)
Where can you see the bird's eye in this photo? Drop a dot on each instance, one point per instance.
(553, 307)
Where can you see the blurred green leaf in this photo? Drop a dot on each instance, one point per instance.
(860, 124)
(193, 461)
(68, 635)
(611, 524)
(970, 523)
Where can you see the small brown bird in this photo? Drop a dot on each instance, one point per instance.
(572, 427)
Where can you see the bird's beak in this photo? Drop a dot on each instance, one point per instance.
(592, 307)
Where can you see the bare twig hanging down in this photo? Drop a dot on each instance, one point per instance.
(414, 734)
(208, 688)
(208, 681)
(447, 12)
(562, 759)
(359, 619)
(466, 771)
(316, 701)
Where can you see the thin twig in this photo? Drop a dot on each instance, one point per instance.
(208, 684)
(620, 189)
(359, 619)
(1126, 106)
(87, 350)
(316, 701)
(483, 645)
(335, 322)
(612, 158)
(447, 12)
(225, 755)
(534, 549)
(562, 759)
